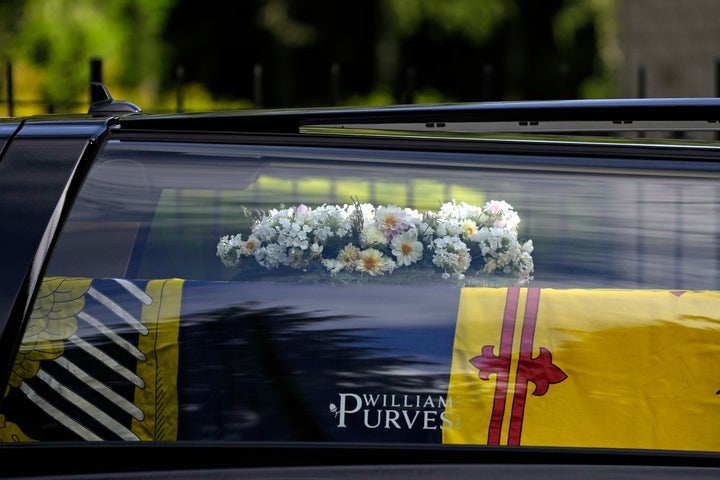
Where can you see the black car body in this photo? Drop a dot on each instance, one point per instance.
(507, 289)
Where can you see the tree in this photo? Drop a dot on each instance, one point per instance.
(54, 40)
(310, 52)
(387, 51)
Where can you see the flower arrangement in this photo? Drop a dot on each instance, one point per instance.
(361, 241)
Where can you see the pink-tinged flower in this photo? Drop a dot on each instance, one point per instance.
(391, 220)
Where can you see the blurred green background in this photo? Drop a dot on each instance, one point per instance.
(172, 55)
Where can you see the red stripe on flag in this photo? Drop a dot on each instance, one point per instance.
(525, 359)
(503, 374)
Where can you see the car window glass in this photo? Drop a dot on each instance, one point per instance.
(253, 293)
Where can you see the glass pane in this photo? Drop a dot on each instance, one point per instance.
(163, 213)
(264, 293)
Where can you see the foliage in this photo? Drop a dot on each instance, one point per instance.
(473, 20)
(449, 43)
(60, 37)
(601, 15)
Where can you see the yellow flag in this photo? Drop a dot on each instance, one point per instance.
(587, 368)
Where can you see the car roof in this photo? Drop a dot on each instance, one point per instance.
(513, 117)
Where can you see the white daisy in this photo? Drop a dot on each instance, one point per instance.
(373, 262)
(371, 235)
(406, 248)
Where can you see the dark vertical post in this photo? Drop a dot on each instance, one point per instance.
(642, 82)
(180, 81)
(410, 85)
(334, 84)
(487, 92)
(95, 73)
(257, 85)
(564, 89)
(11, 100)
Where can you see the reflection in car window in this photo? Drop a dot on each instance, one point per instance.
(262, 293)
(160, 211)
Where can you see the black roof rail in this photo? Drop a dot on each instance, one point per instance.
(599, 115)
(563, 116)
(102, 103)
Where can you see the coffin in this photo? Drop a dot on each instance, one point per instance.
(173, 360)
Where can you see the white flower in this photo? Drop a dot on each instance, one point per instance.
(372, 235)
(330, 221)
(502, 215)
(468, 228)
(248, 246)
(373, 262)
(346, 260)
(406, 248)
(413, 216)
(271, 256)
(458, 236)
(451, 254)
(333, 266)
(368, 211)
(227, 250)
(391, 220)
(426, 232)
(349, 254)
